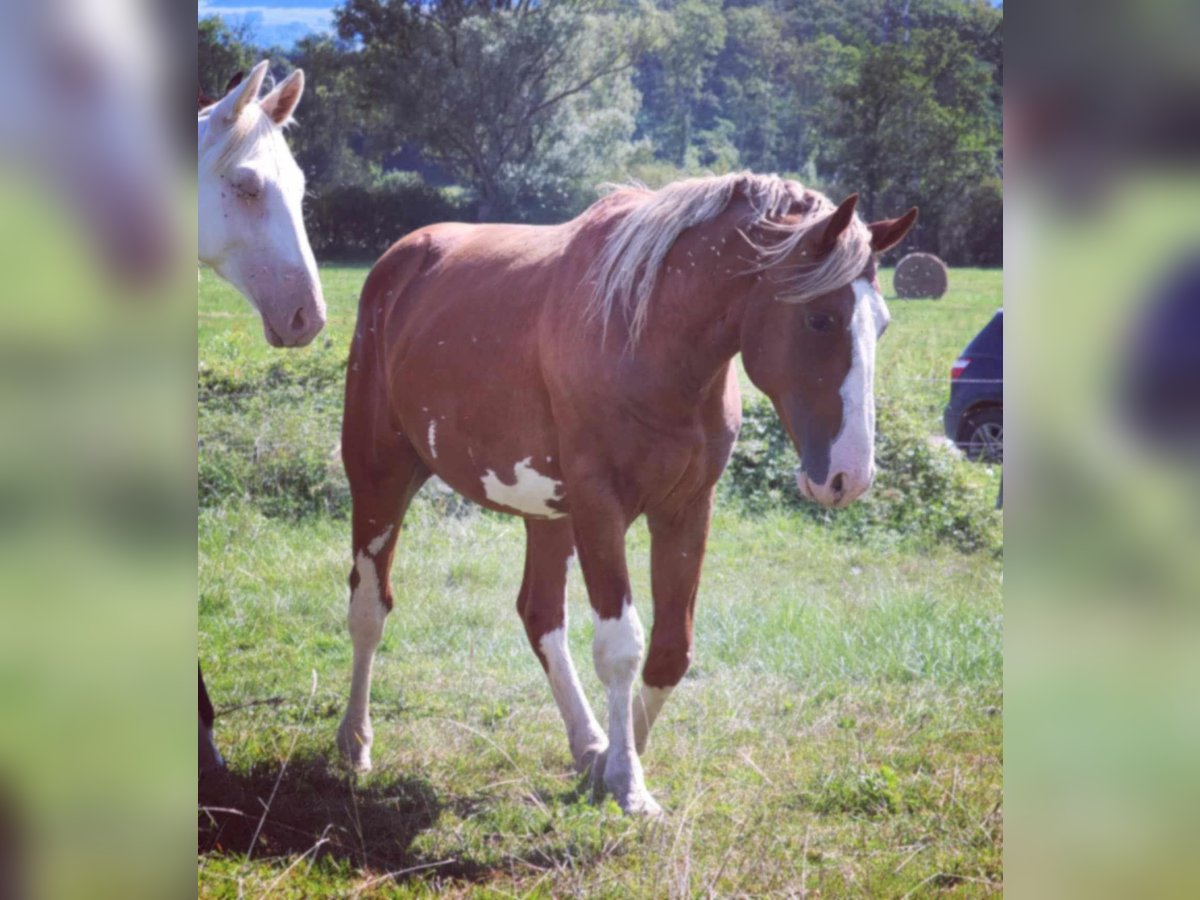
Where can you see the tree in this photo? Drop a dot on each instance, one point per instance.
(521, 101)
(330, 117)
(221, 52)
(916, 125)
(675, 80)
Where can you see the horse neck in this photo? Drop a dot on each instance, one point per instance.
(694, 330)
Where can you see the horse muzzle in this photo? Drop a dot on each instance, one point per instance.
(841, 488)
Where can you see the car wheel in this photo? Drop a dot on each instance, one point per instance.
(982, 435)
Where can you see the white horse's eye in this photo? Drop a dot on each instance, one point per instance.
(247, 183)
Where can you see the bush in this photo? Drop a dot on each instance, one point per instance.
(359, 222)
(923, 490)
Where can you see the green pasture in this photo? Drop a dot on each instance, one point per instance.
(839, 733)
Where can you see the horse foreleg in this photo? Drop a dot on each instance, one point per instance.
(618, 641)
(542, 605)
(209, 756)
(379, 506)
(677, 544)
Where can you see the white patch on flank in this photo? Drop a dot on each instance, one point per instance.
(583, 731)
(433, 438)
(367, 614)
(530, 494)
(376, 545)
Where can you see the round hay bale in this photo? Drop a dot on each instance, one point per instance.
(920, 275)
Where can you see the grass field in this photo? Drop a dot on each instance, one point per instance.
(839, 733)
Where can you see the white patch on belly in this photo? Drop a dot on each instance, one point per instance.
(433, 438)
(531, 494)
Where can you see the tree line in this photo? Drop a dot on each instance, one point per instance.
(419, 111)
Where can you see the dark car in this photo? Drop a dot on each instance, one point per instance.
(974, 417)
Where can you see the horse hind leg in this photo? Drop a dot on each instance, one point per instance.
(542, 605)
(209, 756)
(379, 505)
(677, 546)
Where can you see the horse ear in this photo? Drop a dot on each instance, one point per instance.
(280, 103)
(887, 234)
(838, 223)
(229, 110)
(237, 79)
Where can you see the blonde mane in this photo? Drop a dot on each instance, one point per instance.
(624, 275)
(237, 140)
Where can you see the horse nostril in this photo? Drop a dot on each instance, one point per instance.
(838, 484)
(298, 322)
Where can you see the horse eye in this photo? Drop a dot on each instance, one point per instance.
(822, 322)
(248, 185)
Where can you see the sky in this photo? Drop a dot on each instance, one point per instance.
(283, 22)
(273, 22)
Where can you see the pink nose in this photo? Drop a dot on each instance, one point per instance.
(842, 489)
(304, 325)
(297, 327)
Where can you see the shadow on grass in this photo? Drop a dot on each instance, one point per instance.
(319, 810)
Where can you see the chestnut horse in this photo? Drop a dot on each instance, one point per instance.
(581, 375)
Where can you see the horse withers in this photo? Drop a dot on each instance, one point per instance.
(251, 232)
(581, 375)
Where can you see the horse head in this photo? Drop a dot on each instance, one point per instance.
(250, 214)
(808, 342)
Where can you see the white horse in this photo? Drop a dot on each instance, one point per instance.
(251, 221)
(252, 233)
(81, 91)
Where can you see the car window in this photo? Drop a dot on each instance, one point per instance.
(989, 341)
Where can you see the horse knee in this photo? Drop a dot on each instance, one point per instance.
(667, 663)
(617, 645)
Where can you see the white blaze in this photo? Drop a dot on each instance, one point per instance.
(530, 494)
(853, 449)
(433, 438)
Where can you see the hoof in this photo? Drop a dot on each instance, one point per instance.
(592, 759)
(641, 805)
(629, 790)
(355, 749)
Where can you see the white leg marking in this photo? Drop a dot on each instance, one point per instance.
(645, 710)
(530, 493)
(584, 734)
(376, 545)
(433, 438)
(367, 614)
(617, 651)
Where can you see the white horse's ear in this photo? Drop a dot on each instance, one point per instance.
(230, 109)
(280, 103)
